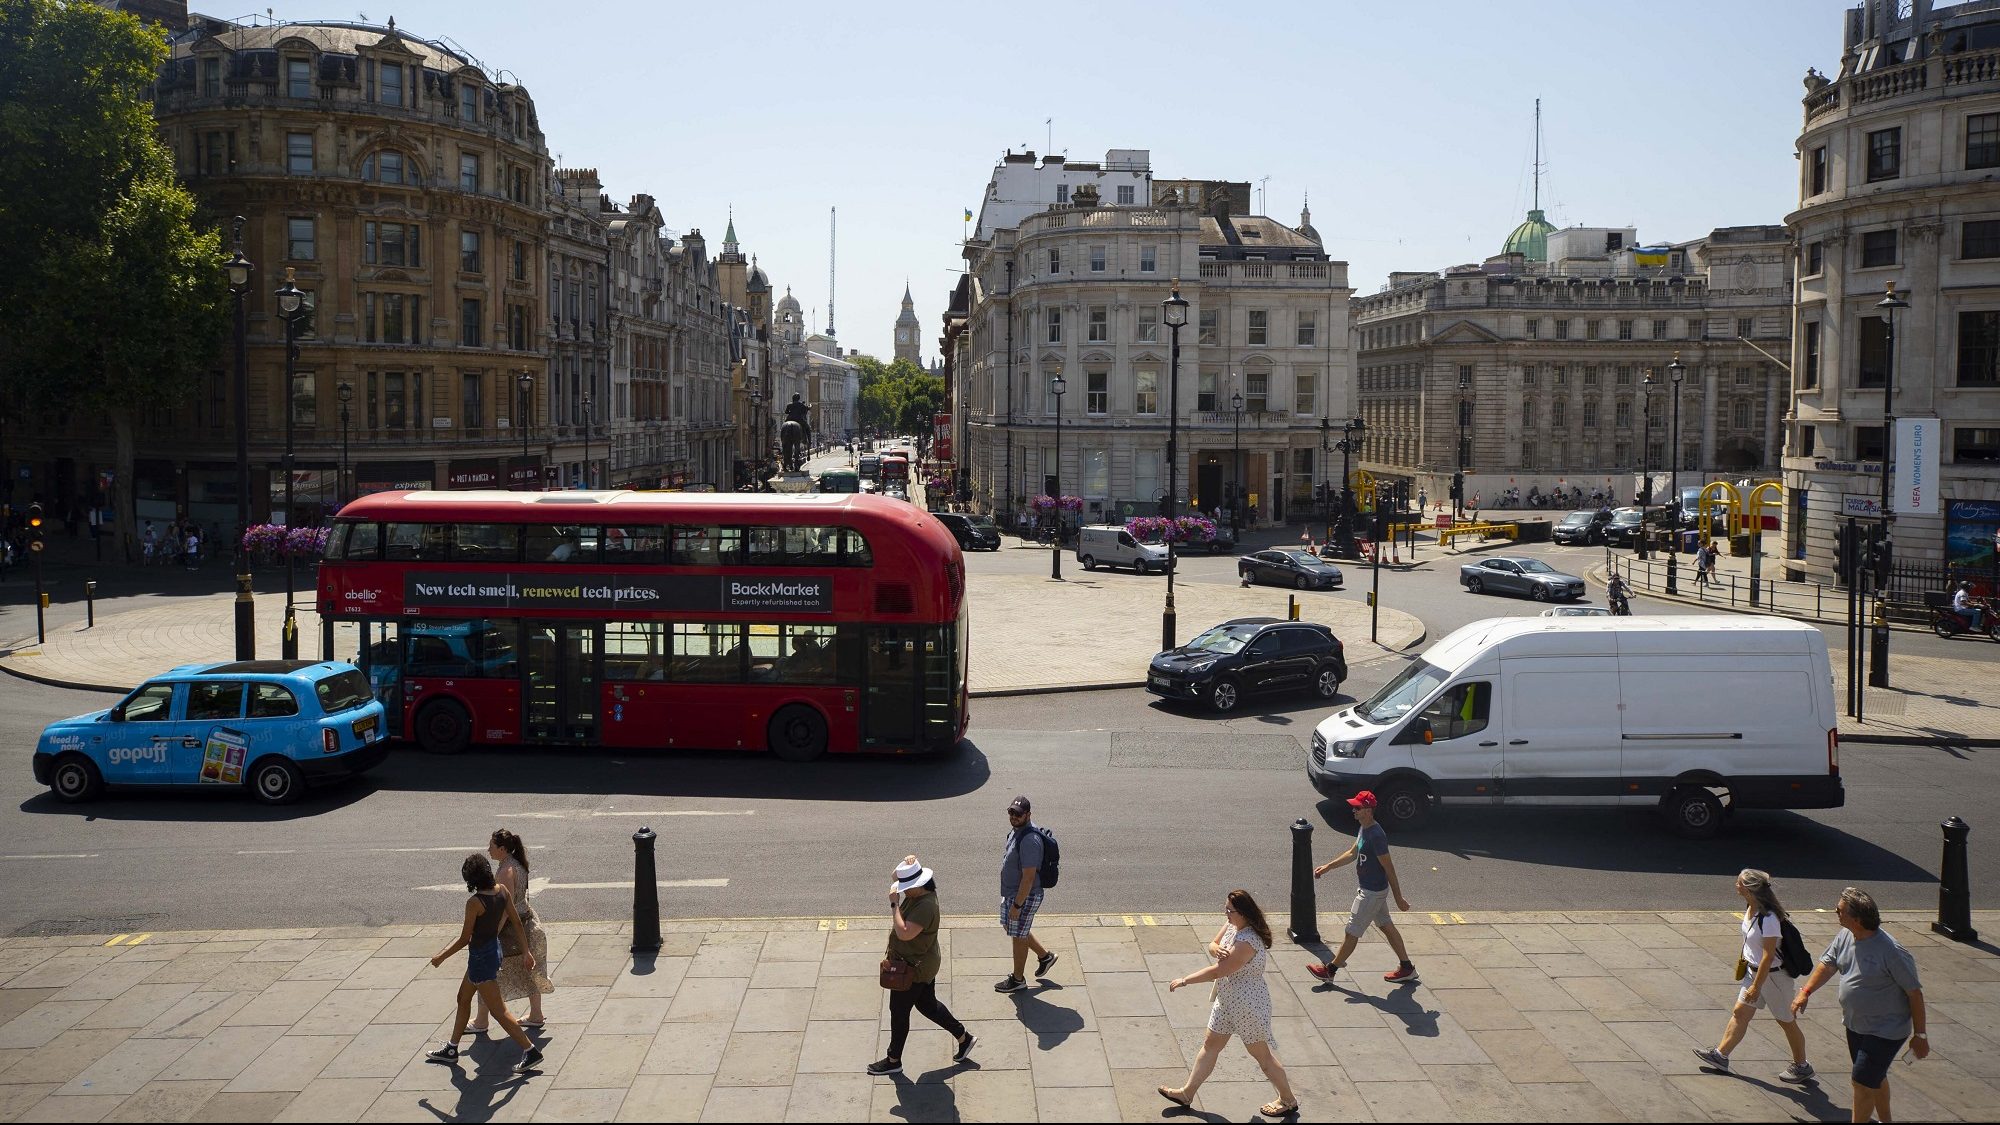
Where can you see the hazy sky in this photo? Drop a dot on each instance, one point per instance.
(1411, 125)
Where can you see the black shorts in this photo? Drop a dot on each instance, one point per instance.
(1872, 1055)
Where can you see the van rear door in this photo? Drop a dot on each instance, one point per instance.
(1559, 731)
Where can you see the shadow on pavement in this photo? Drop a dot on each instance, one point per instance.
(1049, 1024)
(190, 804)
(1276, 709)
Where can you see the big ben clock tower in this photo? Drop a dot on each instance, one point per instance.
(907, 330)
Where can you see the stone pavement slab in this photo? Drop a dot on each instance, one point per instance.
(1520, 1016)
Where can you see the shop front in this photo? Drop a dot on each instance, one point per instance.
(479, 473)
(393, 476)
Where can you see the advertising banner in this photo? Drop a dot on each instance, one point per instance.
(1913, 488)
(664, 593)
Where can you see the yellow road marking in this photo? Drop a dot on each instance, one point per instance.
(1148, 919)
(1436, 918)
(1458, 919)
(137, 940)
(1130, 921)
(119, 938)
(840, 923)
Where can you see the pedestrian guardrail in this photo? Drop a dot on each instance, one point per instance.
(1773, 595)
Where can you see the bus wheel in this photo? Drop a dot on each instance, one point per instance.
(797, 733)
(443, 727)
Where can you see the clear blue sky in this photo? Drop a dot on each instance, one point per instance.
(1410, 124)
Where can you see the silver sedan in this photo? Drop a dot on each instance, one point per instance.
(1517, 575)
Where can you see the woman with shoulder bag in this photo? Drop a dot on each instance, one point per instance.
(910, 966)
(520, 978)
(1766, 984)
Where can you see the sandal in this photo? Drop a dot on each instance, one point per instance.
(1278, 1109)
(1184, 1103)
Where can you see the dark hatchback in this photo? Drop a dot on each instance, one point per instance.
(974, 533)
(1247, 656)
(1301, 570)
(1582, 528)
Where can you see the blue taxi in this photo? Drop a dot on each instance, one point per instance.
(272, 727)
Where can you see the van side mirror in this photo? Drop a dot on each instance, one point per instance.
(1416, 730)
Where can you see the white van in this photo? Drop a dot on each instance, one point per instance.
(1114, 546)
(1698, 715)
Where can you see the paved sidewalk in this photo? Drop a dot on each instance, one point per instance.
(1586, 1016)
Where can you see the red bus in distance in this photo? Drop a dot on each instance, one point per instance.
(798, 624)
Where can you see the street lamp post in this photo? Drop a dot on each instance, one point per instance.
(586, 439)
(1352, 432)
(1458, 481)
(1325, 461)
(526, 382)
(346, 393)
(1674, 373)
(1056, 387)
(1174, 312)
(1236, 467)
(238, 269)
(757, 436)
(1878, 667)
(290, 302)
(1646, 454)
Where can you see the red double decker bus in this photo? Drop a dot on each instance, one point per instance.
(796, 624)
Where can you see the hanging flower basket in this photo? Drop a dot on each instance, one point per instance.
(276, 541)
(1046, 503)
(1181, 529)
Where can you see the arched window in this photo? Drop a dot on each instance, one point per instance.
(388, 167)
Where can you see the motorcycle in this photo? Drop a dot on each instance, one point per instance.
(1948, 622)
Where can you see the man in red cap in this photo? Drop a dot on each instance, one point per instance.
(1370, 855)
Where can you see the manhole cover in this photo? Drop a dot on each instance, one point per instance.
(69, 927)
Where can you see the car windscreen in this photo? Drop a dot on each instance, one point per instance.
(1309, 561)
(1534, 566)
(1576, 519)
(985, 522)
(343, 690)
(1399, 696)
(1223, 640)
(1625, 516)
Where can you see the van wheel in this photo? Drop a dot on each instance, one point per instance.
(76, 779)
(1143, 567)
(276, 781)
(1327, 681)
(797, 733)
(443, 727)
(1404, 806)
(1693, 813)
(1224, 696)
(1088, 562)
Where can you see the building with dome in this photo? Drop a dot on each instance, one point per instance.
(1531, 239)
(909, 331)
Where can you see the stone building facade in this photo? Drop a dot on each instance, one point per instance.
(1897, 157)
(646, 448)
(1530, 372)
(583, 322)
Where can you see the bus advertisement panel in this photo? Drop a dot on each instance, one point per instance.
(796, 624)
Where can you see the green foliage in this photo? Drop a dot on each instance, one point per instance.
(899, 397)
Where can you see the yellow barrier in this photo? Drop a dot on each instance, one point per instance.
(1483, 530)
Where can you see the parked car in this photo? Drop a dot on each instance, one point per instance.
(1114, 546)
(1576, 611)
(974, 533)
(1518, 575)
(1624, 527)
(272, 727)
(1249, 655)
(1582, 528)
(1292, 567)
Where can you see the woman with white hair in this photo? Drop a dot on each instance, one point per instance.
(1768, 985)
(914, 918)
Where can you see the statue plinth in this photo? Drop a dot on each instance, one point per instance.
(791, 482)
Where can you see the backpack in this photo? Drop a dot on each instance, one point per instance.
(1792, 954)
(1051, 869)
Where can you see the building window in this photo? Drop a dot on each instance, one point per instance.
(1622, 416)
(214, 157)
(309, 305)
(299, 240)
(211, 77)
(391, 244)
(305, 399)
(395, 413)
(389, 86)
(1062, 193)
(1885, 154)
(1982, 140)
(1534, 328)
(1528, 458)
(1559, 413)
(1260, 324)
(1055, 260)
(1979, 349)
(299, 153)
(1562, 328)
(1256, 392)
(1097, 394)
(1624, 376)
(1621, 453)
(517, 327)
(1590, 415)
(1741, 414)
(1815, 258)
(1867, 443)
(1208, 331)
(1874, 349)
(1530, 374)
(1145, 391)
(1817, 175)
(472, 406)
(1527, 412)
(520, 260)
(1979, 239)
(519, 191)
(468, 102)
(1464, 374)
(1590, 330)
(298, 78)
(1975, 443)
(1307, 386)
(1308, 329)
(1809, 372)
(1149, 325)
(1561, 378)
(1100, 325)
(468, 251)
(1659, 330)
(1054, 320)
(390, 318)
(468, 321)
(1590, 375)
(1878, 248)
(468, 172)
(1149, 259)
(1097, 259)
(1125, 195)
(385, 167)
(1624, 330)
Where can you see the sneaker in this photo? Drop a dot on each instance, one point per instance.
(1045, 962)
(530, 1059)
(1798, 1072)
(1012, 983)
(445, 1054)
(965, 1046)
(1405, 973)
(1323, 972)
(885, 1066)
(1712, 1059)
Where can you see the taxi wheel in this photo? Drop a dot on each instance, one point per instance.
(276, 781)
(76, 779)
(443, 727)
(797, 733)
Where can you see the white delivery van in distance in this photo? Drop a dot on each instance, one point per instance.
(1115, 546)
(1698, 715)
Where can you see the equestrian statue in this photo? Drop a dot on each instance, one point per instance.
(795, 436)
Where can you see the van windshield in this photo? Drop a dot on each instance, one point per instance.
(1411, 686)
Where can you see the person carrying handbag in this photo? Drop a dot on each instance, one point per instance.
(910, 965)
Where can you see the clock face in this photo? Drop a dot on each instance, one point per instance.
(902, 335)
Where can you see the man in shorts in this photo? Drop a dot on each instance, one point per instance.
(1021, 894)
(1370, 855)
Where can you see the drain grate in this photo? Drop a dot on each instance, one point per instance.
(71, 927)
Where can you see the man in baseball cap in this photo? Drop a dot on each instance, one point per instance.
(1370, 855)
(1021, 893)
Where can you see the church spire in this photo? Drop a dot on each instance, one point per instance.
(729, 236)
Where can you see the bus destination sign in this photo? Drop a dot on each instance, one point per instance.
(612, 592)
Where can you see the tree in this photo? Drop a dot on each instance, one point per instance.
(115, 300)
(898, 396)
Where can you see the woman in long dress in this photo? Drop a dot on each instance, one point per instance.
(519, 977)
(1242, 1003)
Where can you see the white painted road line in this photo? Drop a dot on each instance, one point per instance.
(677, 812)
(77, 855)
(271, 851)
(537, 886)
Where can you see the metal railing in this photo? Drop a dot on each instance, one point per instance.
(1734, 591)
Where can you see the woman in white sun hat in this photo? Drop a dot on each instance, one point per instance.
(913, 927)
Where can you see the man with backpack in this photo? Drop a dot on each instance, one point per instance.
(1028, 866)
(1774, 958)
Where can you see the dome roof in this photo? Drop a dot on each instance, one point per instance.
(758, 282)
(1531, 238)
(788, 302)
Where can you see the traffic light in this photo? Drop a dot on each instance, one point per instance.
(1879, 555)
(35, 519)
(1458, 486)
(1844, 553)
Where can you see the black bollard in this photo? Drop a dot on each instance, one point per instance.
(1954, 886)
(645, 894)
(90, 604)
(1305, 901)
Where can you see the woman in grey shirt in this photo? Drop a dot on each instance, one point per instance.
(1881, 999)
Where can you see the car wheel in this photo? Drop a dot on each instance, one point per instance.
(276, 781)
(1224, 695)
(1327, 681)
(1475, 585)
(1088, 562)
(797, 733)
(1539, 592)
(443, 727)
(1694, 813)
(1144, 567)
(1302, 582)
(76, 779)
(1403, 807)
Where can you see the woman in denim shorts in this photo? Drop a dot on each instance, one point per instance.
(489, 908)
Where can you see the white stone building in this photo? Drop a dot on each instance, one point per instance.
(1020, 187)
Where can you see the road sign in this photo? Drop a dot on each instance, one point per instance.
(36, 546)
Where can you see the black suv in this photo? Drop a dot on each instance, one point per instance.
(974, 533)
(1251, 654)
(1582, 527)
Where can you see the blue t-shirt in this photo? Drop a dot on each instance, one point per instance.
(1876, 978)
(1024, 853)
(1370, 845)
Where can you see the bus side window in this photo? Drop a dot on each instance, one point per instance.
(632, 651)
(854, 548)
(423, 542)
(707, 653)
(363, 542)
(634, 545)
(706, 546)
(487, 542)
(561, 544)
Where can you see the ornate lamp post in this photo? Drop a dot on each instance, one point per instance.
(1352, 432)
(1236, 467)
(346, 392)
(1646, 454)
(756, 434)
(1878, 668)
(1173, 310)
(1458, 481)
(1056, 387)
(238, 268)
(291, 310)
(1674, 374)
(526, 382)
(586, 438)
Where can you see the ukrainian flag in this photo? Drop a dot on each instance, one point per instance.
(968, 216)
(1649, 255)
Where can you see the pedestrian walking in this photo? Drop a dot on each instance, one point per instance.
(1423, 501)
(522, 977)
(1701, 565)
(1881, 999)
(1021, 892)
(1377, 875)
(911, 963)
(490, 907)
(192, 549)
(1241, 1004)
(149, 544)
(1771, 986)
